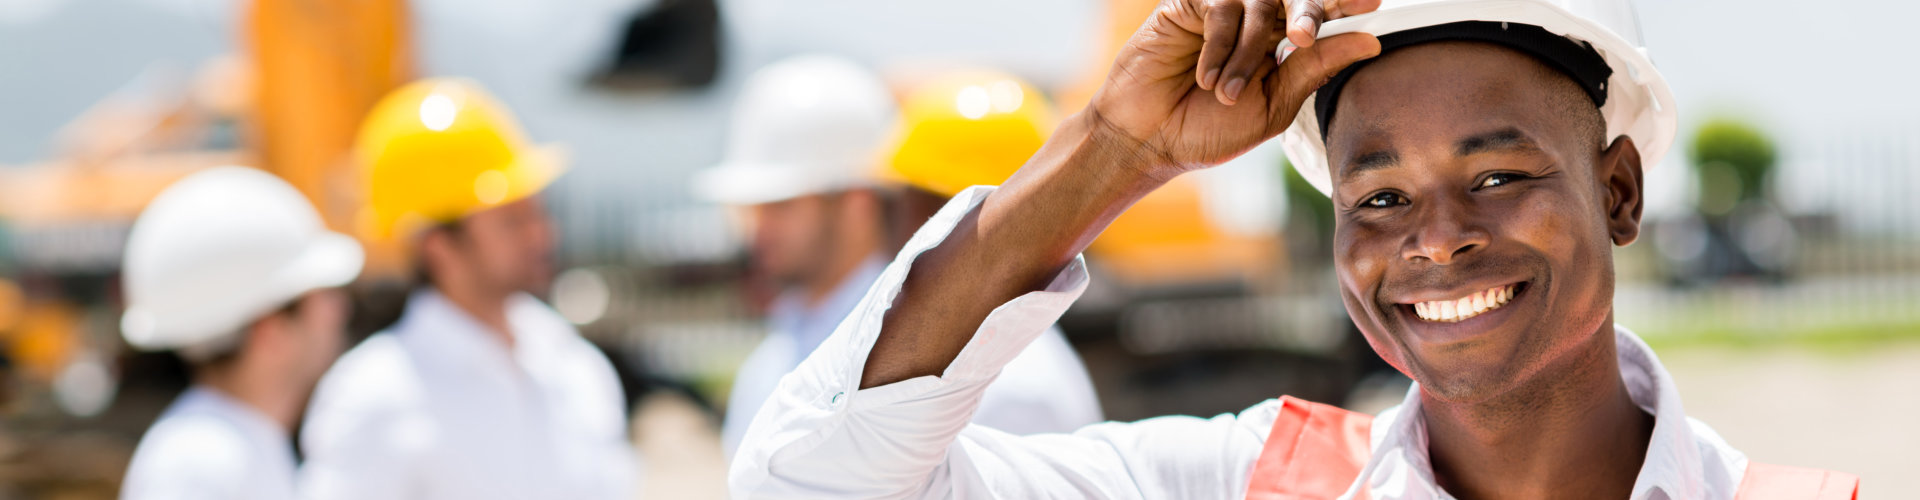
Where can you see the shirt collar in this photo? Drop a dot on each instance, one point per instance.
(256, 425)
(1675, 465)
(447, 332)
(431, 318)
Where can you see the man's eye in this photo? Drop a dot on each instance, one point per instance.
(1499, 179)
(1384, 200)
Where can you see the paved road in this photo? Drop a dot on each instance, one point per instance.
(1856, 411)
(680, 450)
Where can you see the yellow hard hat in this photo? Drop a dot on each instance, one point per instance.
(968, 128)
(440, 149)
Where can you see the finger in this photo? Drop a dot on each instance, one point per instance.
(1337, 9)
(1303, 21)
(1221, 28)
(1310, 67)
(1304, 17)
(1261, 72)
(1257, 39)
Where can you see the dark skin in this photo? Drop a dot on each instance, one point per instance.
(1454, 184)
(1522, 402)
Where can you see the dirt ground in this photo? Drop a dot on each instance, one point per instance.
(1855, 410)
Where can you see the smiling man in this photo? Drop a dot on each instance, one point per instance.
(1482, 167)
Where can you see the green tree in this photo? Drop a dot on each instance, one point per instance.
(1733, 161)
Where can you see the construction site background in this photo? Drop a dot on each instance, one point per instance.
(1789, 301)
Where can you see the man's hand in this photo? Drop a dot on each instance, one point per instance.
(1197, 84)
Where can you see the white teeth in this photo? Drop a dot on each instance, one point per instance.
(1464, 307)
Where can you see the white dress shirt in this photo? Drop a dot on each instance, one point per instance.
(826, 438)
(208, 446)
(1044, 389)
(438, 408)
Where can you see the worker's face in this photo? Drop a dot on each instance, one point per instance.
(317, 330)
(793, 238)
(1460, 168)
(508, 248)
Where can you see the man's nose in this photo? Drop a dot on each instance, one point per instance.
(1445, 232)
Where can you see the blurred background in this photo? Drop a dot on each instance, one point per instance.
(1778, 275)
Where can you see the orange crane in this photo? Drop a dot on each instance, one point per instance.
(320, 66)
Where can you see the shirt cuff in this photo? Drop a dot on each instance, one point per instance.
(812, 407)
(1005, 332)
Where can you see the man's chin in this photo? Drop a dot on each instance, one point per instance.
(539, 285)
(1464, 382)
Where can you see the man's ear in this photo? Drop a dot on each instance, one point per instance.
(863, 206)
(267, 330)
(1620, 174)
(436, 245)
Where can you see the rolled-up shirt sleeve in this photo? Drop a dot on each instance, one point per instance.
(821, 436)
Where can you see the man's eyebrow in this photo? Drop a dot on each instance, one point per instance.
(1371, 161)
(1506, 139)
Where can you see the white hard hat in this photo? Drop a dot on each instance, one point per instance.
(219, 249)
(805, 125)
(1637, 102)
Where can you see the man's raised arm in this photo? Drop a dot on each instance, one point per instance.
(1178, 98)
(880, 410)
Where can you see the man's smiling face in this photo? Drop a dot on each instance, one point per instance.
(1477, 202)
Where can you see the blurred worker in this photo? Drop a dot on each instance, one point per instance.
(479, 390)
(970, 127)
(803, 157)
(960, 128)
(1482, 168)
(232, 269)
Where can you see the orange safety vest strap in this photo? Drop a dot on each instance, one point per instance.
(1313, 452)
(1782, 482)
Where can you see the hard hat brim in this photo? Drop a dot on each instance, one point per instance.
(1639, 104)
(530, 173)
(330, 260)
(536, 169)
(759, 183)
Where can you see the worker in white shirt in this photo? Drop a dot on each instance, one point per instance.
(804, 161)
(1481, 169)
(233, 269)
(969, 126)
(479, 391)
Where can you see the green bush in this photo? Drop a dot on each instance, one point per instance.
(1733, 161)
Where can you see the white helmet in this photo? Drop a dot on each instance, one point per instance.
(805, 125)
(1637, 102)
(219, 249)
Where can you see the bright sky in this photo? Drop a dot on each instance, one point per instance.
(1820, 79)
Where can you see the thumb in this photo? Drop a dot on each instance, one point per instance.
(1308, 68)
